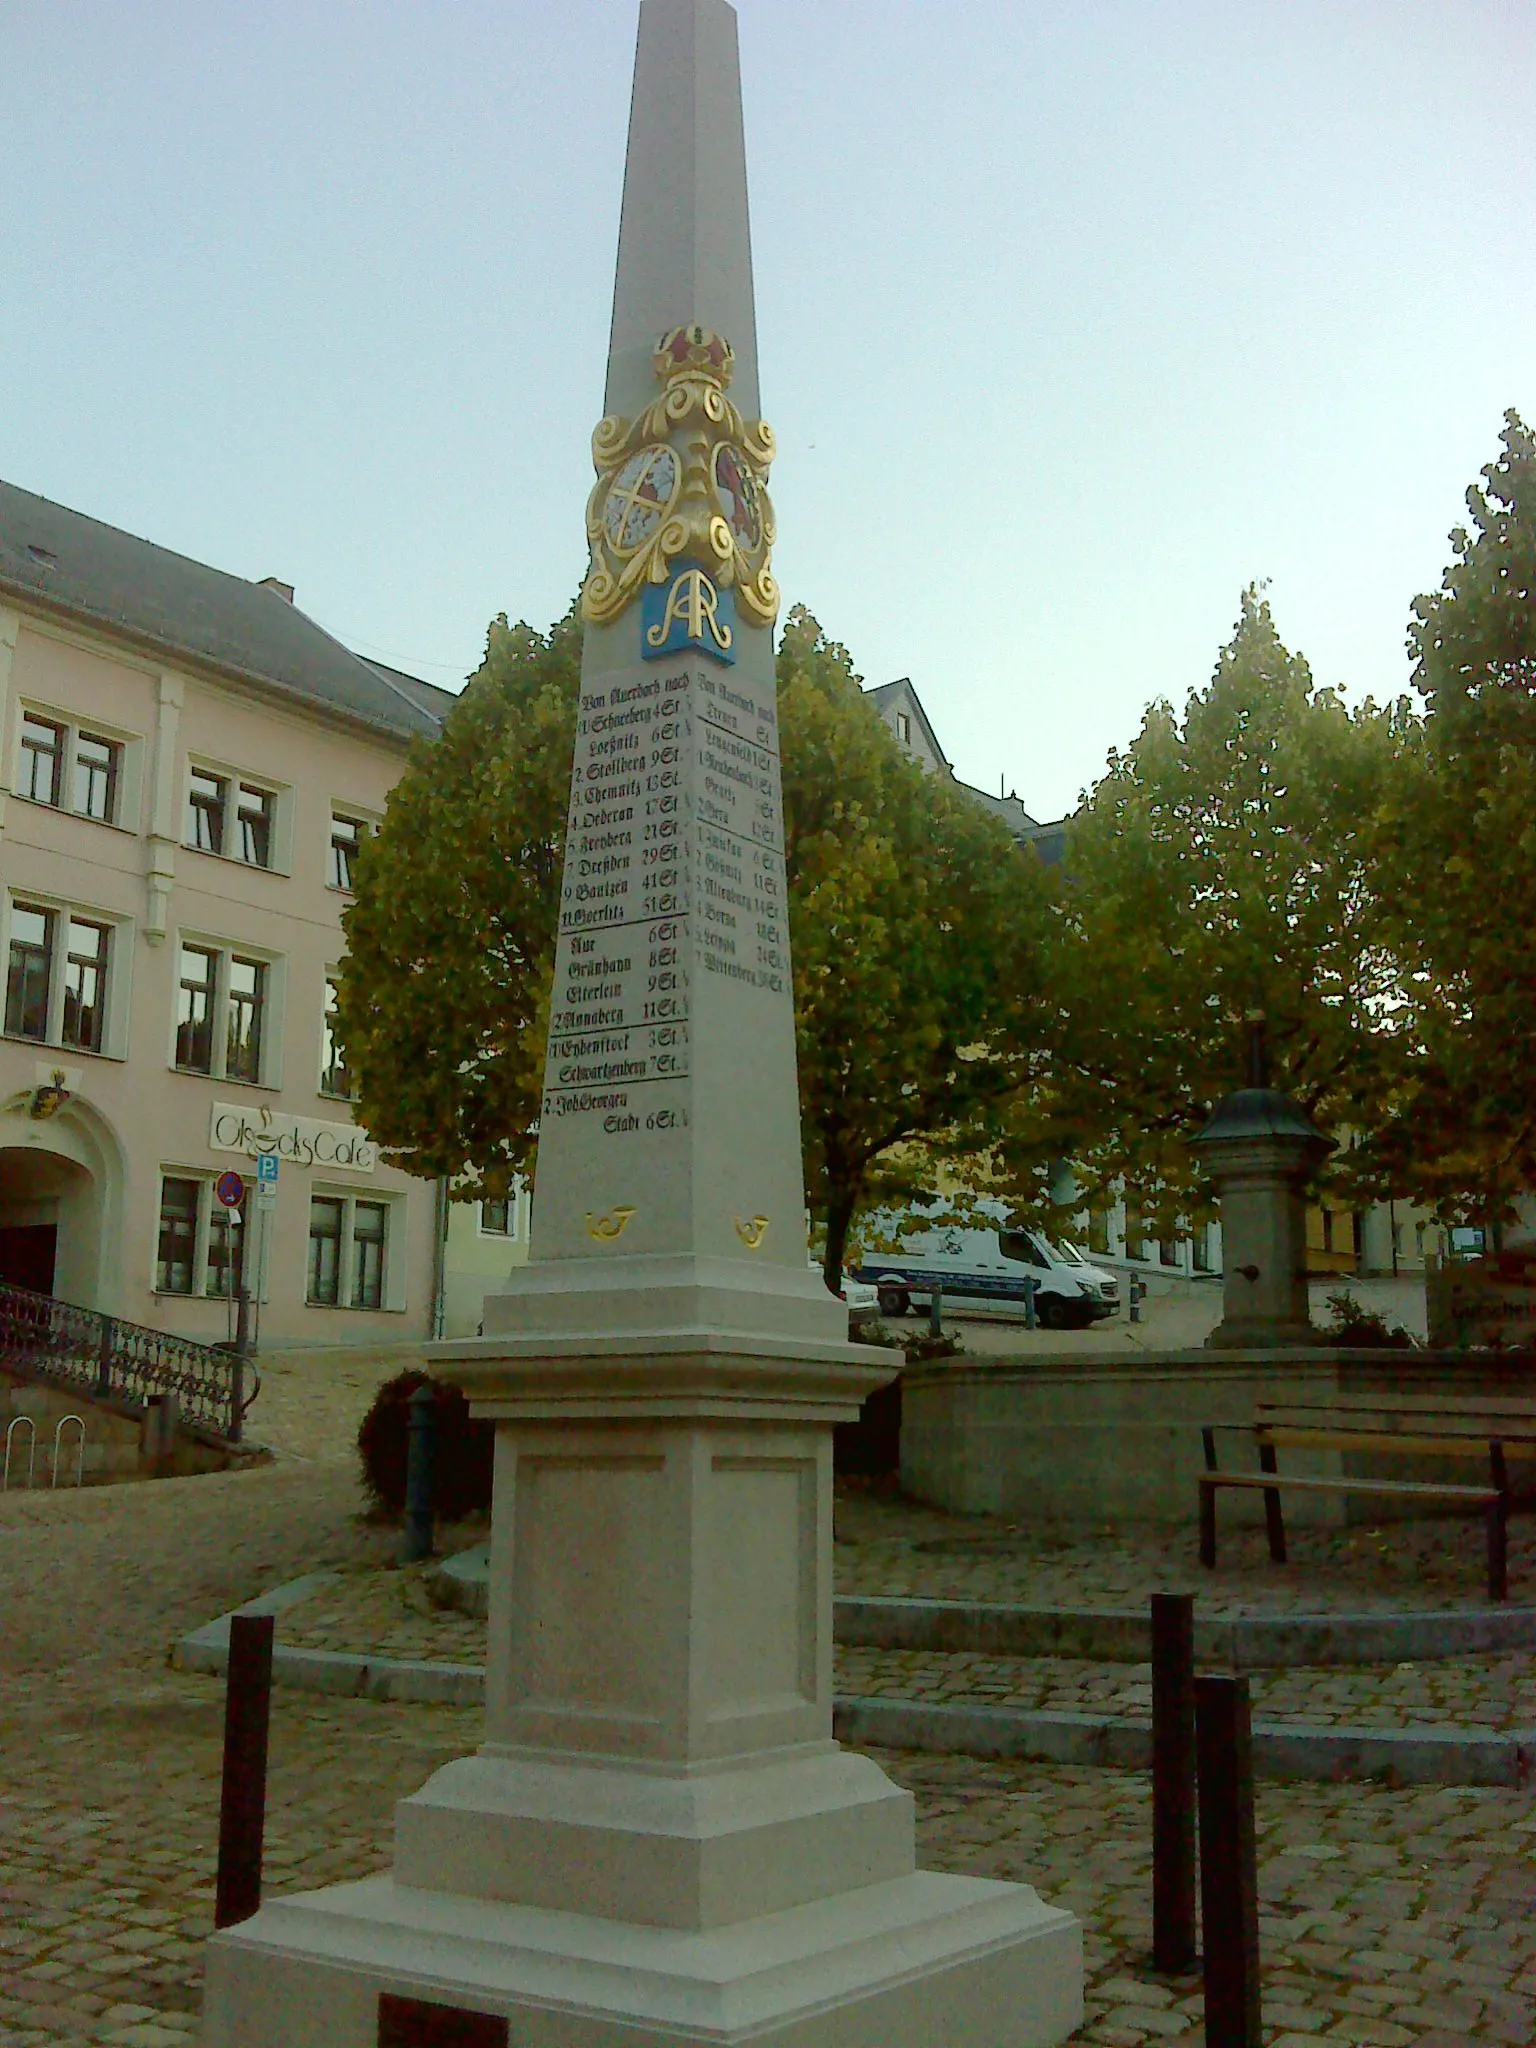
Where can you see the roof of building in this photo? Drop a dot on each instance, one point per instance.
(84, 570)
(887, 698)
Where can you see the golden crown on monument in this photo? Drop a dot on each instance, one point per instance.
(686, 349)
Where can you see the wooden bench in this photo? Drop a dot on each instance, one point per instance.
(1421, 1425)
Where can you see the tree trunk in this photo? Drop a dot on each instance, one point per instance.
(839, 1217)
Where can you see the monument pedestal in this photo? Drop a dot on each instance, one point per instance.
(658, 1841)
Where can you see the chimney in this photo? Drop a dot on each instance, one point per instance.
(284, 590)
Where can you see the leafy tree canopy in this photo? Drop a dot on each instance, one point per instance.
(1221, 866)
(1458, 866)
(915, 924)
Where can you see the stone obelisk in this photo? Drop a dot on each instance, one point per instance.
(659, 1842)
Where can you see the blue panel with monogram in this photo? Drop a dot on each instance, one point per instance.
(689, 611)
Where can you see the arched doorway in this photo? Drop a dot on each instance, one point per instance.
(61, 1187)
(47, 1208)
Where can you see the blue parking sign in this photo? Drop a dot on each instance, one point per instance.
(266, 1169)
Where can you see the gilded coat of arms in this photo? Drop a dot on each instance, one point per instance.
(687, 479)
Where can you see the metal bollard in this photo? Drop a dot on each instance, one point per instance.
(936, 1313)
(243, 1797)
(1229, 1888)
(1173, 1783)
(1135, 1294)
(420, 1456)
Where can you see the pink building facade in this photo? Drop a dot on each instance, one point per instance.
(188, 767)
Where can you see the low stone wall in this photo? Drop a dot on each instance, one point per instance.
(1079, 1438)
(120, 1443)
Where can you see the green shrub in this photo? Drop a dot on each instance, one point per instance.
(1357, 1328)
(461, 1464)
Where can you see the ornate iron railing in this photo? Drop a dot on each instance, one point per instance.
(104, 1355)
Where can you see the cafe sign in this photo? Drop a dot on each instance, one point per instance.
(304, 1140)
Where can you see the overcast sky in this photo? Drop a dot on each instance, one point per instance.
(1074, 318)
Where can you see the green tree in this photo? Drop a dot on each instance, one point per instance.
(914, 922)
(444, 992)
(1222, 865)
(916, 926)
(1458, 867)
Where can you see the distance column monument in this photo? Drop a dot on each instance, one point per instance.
(659, 1841)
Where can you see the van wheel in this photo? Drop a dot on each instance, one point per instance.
(1054, 1313)
(894, 1301)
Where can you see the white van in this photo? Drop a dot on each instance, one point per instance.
(988, 1268)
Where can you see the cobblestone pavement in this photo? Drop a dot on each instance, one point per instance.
(385, 1612)
(887, 1545)
(1391, 1919)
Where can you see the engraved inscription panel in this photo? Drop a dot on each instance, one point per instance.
(674, 867)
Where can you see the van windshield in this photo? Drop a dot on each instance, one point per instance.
(1068, 1254)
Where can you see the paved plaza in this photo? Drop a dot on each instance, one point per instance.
(1390, 1917)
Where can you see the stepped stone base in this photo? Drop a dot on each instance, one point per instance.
(922, 1961)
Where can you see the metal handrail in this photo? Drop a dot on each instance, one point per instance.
(115, 1359)
(5, 1477)
(58, 1435)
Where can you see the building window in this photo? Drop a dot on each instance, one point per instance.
(177, 1260)
(85, 984)
(68, 767)
(1201, 1243)
(29, 971)
(228, 816)
(497, 1215)
(368, 1222)
(207, 801)
(347, 835)
(1098, 1231)
(253, 826)
(348, 1252)
(904, 727)
(1135, 1234)
(1168, 1251)
(247, 982)
(197, 1248)
(327, 1214)
(221, 1013)
(42, 759)
(335, 1077)
(56, 983)
(97, 766)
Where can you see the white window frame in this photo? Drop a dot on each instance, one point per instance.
(280, 844)
(904, 727)
(367, 823)
(202, 1231)
(516, 1218)
(130, 763)
(392, 1293)
(114, 1031)
(270, 1061)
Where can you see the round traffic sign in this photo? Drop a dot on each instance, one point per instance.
(230, 1189)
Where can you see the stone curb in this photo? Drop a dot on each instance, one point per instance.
(1124, 1636)
(333, 1671)
(1295, 1751)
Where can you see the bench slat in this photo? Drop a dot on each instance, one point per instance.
(1388, 1440)
(1406, 1404)
(1308, 1485)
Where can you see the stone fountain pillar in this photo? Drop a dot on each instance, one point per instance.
(1261, 1149)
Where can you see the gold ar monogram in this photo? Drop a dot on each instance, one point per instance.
(692, 602)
